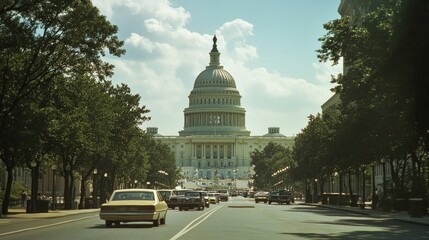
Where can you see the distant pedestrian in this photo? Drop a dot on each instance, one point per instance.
(23, 199)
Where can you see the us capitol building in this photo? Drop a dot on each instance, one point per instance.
(214, 147)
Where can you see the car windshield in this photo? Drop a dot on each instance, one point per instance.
(118, 196)
(180, 193)
(192, 194)
(165, 194)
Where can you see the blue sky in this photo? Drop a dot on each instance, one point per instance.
(267, 46)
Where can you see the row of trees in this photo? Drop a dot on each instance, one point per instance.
(382, 118)
(57, 107)
(383, 115)
(270, 165)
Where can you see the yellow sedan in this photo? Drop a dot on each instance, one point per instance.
(134, 205)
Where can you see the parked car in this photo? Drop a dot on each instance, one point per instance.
(190, 200)
(280, 197)
(261, 196)
(134, 205)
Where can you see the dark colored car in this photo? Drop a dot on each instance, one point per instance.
(190, 200)
(280, 197)
(173, 203)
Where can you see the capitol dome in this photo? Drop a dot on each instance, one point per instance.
(214, 103)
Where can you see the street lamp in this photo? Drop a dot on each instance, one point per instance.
(33, 165)
(54, 197)
(94, 190)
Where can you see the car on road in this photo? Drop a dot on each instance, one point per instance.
(261, 196)
(206, 199)
(223, 194)
(280, 197)
(213, 198)
(167, 194)
(173, 203)
(190, 200)
(134, 205)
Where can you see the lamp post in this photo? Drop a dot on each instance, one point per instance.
(315, 191)
(94, 190)
(33, 165)
(54, 197)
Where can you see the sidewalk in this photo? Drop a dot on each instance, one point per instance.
(402, 216)
(21, 213)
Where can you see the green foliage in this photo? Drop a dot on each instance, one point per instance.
(315, 149)
(268, 161)
(383, 104)
(17, 189)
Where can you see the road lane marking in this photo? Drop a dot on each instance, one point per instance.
(191, 225)
(45, 226)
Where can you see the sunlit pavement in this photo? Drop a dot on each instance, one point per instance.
(396, 215)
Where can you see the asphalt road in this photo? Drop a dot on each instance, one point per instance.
(239, 218)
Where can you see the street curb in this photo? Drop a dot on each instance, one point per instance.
(369, 214)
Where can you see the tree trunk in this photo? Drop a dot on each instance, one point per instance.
(6, 198)
(350, 183)
(363, 189)
(82, 193)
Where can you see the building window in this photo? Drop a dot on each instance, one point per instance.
(199, 151)
(221, 151)
(229, 151)
(215, 156)
(208, 151)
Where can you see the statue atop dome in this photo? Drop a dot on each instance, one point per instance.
(214, 49)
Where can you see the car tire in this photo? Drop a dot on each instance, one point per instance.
(269, 202)
(157, 222)
(108, 224)
(265, 201)
(180, 209)
(117, 224)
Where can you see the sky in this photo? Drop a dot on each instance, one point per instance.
(269, 47)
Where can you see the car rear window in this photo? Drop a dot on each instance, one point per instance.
(133, 196)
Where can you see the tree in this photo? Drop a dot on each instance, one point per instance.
(378, 88)
(268, 161)
(41, 42)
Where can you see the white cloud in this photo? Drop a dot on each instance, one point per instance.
(238, 28)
